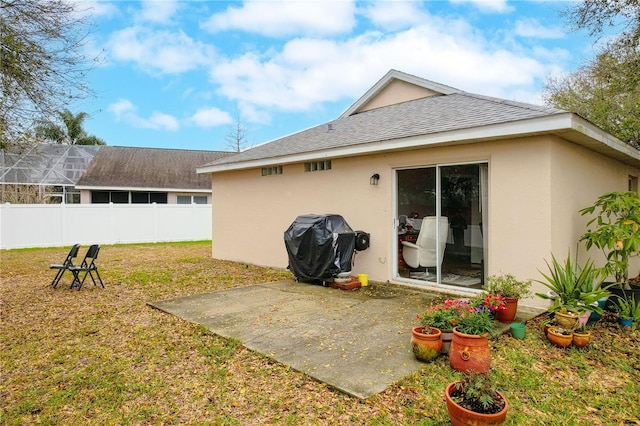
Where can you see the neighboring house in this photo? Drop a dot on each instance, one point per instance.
(510, 176)
(128, 175)
(43, 173)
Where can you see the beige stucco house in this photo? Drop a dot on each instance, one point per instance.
(509, 177)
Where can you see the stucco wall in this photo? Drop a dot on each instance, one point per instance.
(256, 210)
(536, 187)
(519, 199)
(396, 92)
(580, 176)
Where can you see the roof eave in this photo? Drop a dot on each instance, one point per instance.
(566, 125)
(591, 136)
(139, 188)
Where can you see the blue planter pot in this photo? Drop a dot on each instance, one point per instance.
(596, 316)
(625, 322)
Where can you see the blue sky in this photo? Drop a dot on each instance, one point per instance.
(178, 74)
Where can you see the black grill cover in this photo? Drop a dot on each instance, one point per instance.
(319, 246)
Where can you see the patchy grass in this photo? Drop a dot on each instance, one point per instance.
(102, 356)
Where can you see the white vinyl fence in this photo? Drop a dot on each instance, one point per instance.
(56, 225)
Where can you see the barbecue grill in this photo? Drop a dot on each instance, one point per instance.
(321, 247)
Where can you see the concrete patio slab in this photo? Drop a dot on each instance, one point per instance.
(356, 341)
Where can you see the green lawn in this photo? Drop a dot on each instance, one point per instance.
(102, 356)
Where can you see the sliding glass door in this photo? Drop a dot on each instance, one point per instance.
(440, 215)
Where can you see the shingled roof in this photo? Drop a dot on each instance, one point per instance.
(448, 116)
(149, 168)
(450, 109)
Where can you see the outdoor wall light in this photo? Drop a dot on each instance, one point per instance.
(373, 180)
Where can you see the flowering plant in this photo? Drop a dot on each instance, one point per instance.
(477, 314)
(489, 302)
(444, 316)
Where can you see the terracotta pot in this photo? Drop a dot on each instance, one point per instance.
(461, 416)
(469, 352)
(446, 337)
(558, 339)
(566, 319)
(426, 347)
(509, 314)
(580, 340)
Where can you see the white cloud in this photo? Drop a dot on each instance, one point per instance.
(394, 15)
(210, 117)
(159, 120)
(286, 18)
(306, 73)
(125, 111)
(489, 6)
(158, 11)
(122, 107)
(251, 114)
(530, 27)
(553, 56)
(93, 8)
(160, 51)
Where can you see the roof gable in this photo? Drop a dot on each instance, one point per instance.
(397, 87)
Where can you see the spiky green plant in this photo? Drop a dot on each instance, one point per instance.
(577, 288)
(476, 392)
(628, 306)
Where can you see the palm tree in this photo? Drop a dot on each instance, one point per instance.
(71, 133)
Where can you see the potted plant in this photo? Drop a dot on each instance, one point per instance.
(581, 337)
(426, 343)
(443, 316)
(628, 308)
(574, 289)
(615, 230)
(560, 336)
(474, 400)
(511, 289)
(548, 323)
(470, 349)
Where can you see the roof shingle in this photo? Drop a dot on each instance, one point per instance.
(114, 167)
(459, 110)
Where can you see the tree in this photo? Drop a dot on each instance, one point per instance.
(596, 15)
(606, 90)
(42, 65)
(70, 132)
(236, 139)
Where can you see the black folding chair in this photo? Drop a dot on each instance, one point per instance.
(88, 266)
(64, 266)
